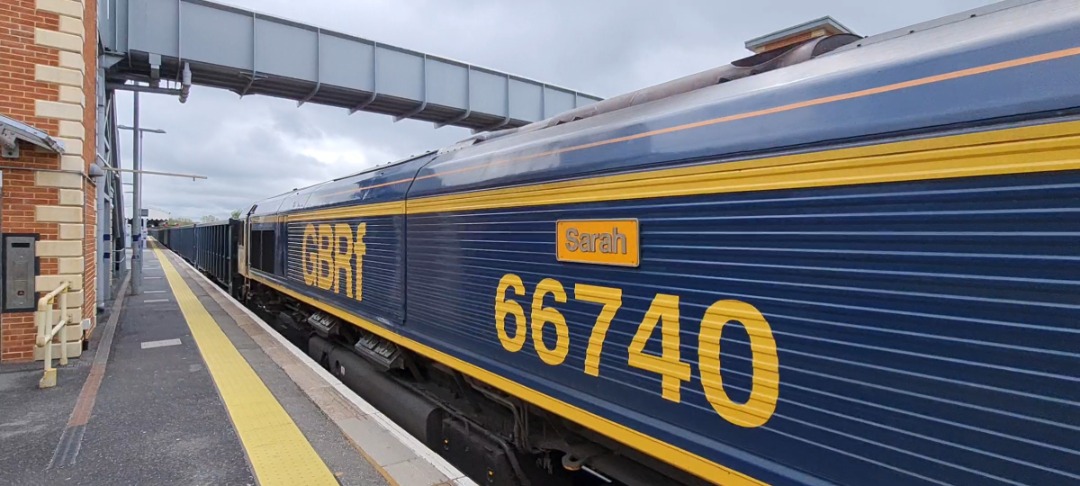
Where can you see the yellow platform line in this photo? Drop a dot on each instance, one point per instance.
(279, 453)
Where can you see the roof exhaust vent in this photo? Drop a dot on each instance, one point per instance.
(773, 51)
(822, 27)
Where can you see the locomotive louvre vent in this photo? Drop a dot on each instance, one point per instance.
(379, 352)
(324, 324)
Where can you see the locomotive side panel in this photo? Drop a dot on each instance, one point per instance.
(873, 330)
(343, 242)
(902, 311)
(355, 263)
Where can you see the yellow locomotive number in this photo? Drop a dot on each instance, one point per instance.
(611, 299)
(765, 385)
(541, 316)
(663, 312)
(504, 307)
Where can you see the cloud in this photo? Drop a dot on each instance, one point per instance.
(256, 147)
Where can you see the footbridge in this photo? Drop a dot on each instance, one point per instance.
(168, 46)
(194, 42)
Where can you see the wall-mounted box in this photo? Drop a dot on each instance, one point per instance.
(20, 267)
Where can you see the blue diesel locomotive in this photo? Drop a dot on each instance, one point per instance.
(852, 261)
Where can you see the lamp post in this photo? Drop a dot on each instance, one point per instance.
(136, 198)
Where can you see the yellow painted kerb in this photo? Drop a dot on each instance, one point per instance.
(279, 453)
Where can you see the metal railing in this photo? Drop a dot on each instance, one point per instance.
(47, 330)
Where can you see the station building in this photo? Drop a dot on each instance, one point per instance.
(48, 214)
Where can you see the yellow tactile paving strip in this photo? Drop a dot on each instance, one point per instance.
(279, 453)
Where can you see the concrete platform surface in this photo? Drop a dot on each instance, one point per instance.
(183, 385)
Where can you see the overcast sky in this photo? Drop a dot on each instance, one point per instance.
(256, 147)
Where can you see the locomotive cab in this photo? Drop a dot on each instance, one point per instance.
(241, 247)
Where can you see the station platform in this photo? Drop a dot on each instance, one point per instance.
(183, 385)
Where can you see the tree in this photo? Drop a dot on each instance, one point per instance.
(235, 214)
(209, 218)
(179, 222)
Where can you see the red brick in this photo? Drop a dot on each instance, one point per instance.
(18, 94)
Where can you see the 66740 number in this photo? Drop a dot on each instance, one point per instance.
(663, 311)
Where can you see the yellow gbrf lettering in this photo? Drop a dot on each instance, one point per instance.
(343, 254)
(765, 382)
(360, 249)
(325, 257)
(308, 264)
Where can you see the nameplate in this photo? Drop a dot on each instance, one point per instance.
(600, 242)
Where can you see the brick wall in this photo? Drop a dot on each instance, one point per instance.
(19, 58)
(44, 54)
(19, 198)
(18, 334)
(89, 147)
(90, 117)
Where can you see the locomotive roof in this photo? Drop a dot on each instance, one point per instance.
(741, 117)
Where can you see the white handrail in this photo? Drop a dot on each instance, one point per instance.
(47, 331)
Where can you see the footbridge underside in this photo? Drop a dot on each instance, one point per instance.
(194, 42)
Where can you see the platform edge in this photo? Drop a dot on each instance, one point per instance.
(361, 406)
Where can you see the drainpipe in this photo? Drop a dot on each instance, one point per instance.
(104, 267)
